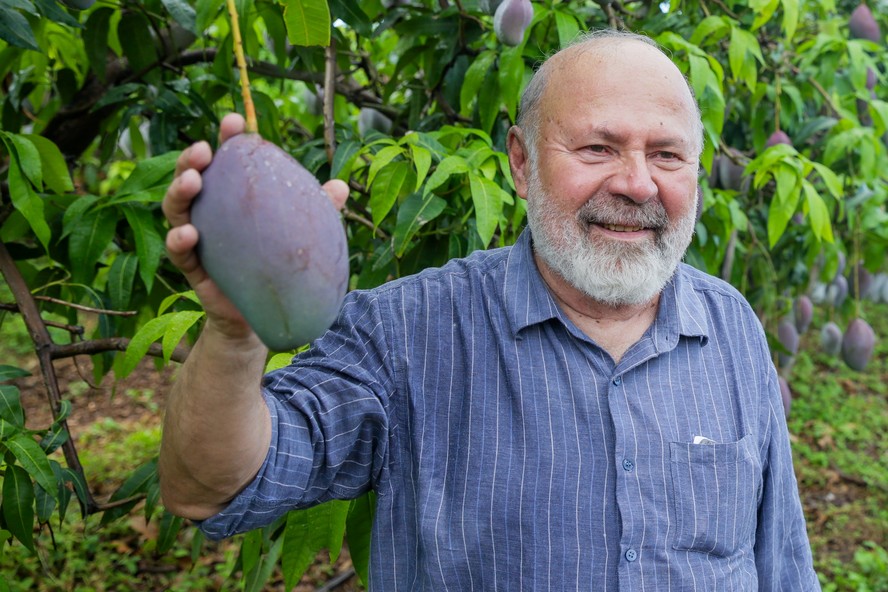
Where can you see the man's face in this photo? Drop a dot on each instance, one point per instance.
(612, 191)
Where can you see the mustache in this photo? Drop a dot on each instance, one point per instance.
(610, 210)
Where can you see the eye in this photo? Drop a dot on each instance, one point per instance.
(666, 155)
(597, 149)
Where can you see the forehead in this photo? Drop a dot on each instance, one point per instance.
(618, 85)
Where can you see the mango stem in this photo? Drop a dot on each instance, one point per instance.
(249, 109)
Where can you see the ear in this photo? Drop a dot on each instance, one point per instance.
(518, 160)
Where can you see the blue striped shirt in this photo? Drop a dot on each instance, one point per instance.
(509, 452)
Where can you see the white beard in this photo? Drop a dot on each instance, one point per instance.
(608, 271)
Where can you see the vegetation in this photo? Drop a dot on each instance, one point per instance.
(409, 102)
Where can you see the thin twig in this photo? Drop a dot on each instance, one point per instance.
(350, 215)
(329, 97)
(119, 313)
(97, 346)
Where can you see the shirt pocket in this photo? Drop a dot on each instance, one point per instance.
(715, 493)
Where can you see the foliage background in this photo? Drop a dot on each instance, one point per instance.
(410, 104)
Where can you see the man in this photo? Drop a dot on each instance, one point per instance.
(577, 412)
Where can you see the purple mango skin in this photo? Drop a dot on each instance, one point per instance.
(272, 240)
(785, 395)
(857, 344)
(511, 19)
(803, 313)
(831, 338)
(778, 137)
(863, 25)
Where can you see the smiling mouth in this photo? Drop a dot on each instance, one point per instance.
(621, 228)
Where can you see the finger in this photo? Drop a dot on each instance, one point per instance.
(180, 194)
(337, 190)
(180, 243)
(197, 156)
(231, 125)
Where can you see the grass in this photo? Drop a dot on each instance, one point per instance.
(839, 428)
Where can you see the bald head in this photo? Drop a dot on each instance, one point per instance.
(601, 55)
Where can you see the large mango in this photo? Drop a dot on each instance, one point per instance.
(272, 241)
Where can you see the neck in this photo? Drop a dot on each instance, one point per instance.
(613, 327)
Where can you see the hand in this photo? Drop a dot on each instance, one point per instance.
(182, 237)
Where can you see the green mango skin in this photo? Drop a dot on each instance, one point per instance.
(272, 241)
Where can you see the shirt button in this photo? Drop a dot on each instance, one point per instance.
(628, 464)
(618, 381)
(631, 555)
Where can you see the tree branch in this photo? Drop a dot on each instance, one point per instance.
(43, 346)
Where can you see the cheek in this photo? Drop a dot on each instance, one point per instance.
(679, 197)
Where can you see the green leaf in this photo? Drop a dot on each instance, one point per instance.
(422, 162)
(790, 18)
(351, 13)
(474, 78)
(308, 21)
(54, 12)
(15, 30)
(11, 405)
(567, 27)
(381, 159)
(452, 165)
(8, 430)
(150, 173)
(141, 341)
(343, 159)
(359, 526)
(511, 77)
(169, 527)
(818, 213)
(278, 361)
(121, 277)
(18, 505)
(95, 39)
(28, 159)
(488, 201)
(149, 242)
(8, 372)
(134, 33)
(830, 179)
(307, 532)
(28, 203)
(711, 25)
(136, 483)
(53, 439)
(55, 171)
(91, 235)
(173, 298)
(45, 503)
(33, 459)
(416, 211)
(182, 13)
(386, 189)
(176, 329)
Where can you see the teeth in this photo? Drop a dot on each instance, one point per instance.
(621, 228)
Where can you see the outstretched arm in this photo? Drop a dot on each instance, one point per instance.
(216, 429)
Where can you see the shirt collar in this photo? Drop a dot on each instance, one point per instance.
(529, 301)
(681, 312)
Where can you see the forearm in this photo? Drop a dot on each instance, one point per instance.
(216, 429)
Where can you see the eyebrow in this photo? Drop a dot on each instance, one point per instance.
(664, 142)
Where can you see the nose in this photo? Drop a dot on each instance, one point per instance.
(633, 179)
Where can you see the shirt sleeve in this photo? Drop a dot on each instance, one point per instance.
(330, 424)
(782, 551)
